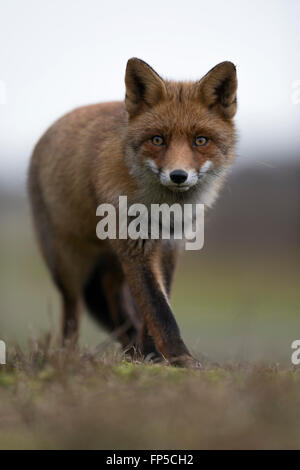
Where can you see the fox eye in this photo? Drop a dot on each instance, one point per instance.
(157, 140)
(200, 141)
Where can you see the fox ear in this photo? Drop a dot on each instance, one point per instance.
(144, 87)
(218, 89)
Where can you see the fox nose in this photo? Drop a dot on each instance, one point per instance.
(178, 176)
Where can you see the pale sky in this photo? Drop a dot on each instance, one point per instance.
(59, 54)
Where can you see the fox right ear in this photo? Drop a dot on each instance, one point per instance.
(218, 89)
(144, 87)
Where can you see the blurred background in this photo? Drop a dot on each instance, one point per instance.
(237, 299)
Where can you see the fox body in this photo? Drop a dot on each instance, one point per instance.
(168, 142)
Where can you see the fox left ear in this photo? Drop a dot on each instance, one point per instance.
(217, 89)
(144, 87)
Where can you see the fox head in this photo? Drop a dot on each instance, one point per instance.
(180, 135)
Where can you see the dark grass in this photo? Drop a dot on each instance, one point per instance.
(87, 399)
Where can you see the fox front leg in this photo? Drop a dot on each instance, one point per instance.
(145, 279)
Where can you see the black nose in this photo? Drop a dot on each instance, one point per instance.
(178, 176)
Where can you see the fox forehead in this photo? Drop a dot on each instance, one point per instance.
(181, 115)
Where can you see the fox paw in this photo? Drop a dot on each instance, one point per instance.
(186, 361)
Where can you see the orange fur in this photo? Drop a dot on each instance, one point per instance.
(96, 153)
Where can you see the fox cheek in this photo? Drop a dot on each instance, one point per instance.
(153, 153)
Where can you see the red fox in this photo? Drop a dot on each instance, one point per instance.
(168, 142)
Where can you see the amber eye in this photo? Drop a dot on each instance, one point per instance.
(201, 140)
(157, 140)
